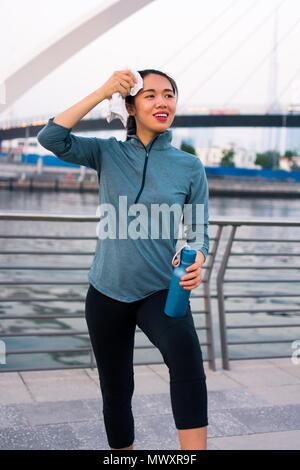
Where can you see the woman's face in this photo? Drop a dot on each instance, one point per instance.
(159, 100)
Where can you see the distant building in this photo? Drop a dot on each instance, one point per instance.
(212, 156)
(284, 164)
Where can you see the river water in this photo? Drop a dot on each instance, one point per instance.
(86, 203)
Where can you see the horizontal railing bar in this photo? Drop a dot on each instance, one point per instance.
(262, 267)
(80, 366)
(241, 327)
(54, 299)
(48, 217)
(45, 351)
(266, 240)
(48, 237)
(41, 317)
(263, 254)
(264, 310)
(31, 369)
(48, 268)
(73, 253)
(64, 333)
(239, 358)
(62, 299)
(44, 333)
(58, 237)
(213, 296)
(42, 283)
(223, 221)
(261, 280)
(62, 315)
(35, 252)
(258, 295)
(269, 341)
(85, 237)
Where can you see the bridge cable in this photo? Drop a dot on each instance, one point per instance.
(283, 90)
(217, 39)
(261, 63)
(229, 56)
(200, 33)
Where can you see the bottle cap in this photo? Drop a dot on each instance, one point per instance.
(188, 255)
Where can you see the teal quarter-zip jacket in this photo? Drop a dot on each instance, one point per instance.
(130, 267)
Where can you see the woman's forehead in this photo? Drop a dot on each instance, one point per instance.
(156, 81)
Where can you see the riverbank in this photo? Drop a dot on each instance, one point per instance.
(27, 177)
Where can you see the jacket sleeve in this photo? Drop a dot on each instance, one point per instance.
(196, 210)
(86, 151)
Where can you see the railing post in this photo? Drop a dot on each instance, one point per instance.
(220, 291)
(207, 301)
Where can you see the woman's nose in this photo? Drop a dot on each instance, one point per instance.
(161, 102)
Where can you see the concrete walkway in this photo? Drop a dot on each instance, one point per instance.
(254, 405)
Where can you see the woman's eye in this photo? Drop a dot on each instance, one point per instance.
(149, 96)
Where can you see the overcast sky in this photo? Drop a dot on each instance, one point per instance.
(212, 49)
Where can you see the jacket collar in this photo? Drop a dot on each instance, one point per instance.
(160, 142)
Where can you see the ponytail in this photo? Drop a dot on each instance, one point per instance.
(130, 127)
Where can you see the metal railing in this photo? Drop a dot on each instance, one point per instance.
(216, 258)
(222, 296)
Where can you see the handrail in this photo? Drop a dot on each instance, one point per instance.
(216, 257)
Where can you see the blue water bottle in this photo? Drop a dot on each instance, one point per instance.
(178, 297)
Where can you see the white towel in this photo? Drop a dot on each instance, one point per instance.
(117, 108)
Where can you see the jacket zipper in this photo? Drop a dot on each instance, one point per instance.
(145, 168)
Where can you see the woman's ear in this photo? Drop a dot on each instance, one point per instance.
(130, 109)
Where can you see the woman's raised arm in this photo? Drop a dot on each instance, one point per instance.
(120, 81)
(56, 136)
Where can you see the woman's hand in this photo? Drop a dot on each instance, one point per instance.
(121, 81)
(194, 278)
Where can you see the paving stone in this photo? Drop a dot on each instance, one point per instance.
(224, 423)
(13, 389)
(265, 375)
(91, 435)
(227, 399)
(47, 437)
(220, 381)
(150, 383)
(11, 416)
(68, 388)
(268, 419)
(55, 374)
(284, 395)
(287, 440)
(155, 433)
(56, 412)
(95, 406)
(154, 404)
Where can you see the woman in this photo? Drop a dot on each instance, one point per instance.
(129, 276)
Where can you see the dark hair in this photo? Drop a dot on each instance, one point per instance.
(131, 123)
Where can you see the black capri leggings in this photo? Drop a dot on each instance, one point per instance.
(111, 325)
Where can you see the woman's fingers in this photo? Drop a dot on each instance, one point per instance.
(191, 280)
(126, 87)
(190, 283)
